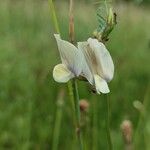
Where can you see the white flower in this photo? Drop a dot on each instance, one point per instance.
(72, 62)
(99, 62)
(91, 59)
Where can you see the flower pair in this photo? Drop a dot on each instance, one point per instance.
(89, 59)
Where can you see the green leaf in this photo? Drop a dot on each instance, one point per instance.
(102, 14)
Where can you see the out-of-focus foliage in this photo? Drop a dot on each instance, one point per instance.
(136, 1)
(28, 92)
(97, 1)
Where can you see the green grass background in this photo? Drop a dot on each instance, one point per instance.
(28, 93)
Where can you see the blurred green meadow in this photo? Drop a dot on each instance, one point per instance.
(28, 93)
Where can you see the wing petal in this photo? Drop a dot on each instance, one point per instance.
(62, 74)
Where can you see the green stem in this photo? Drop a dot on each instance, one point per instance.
(95, 123)
(71, 95)
(107, 117)
(77, 112)
(30, 109)
(54, 17)
(58, 117)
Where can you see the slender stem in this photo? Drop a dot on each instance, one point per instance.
(70, 88)
(54, 17)
(58, 119)
(77, 112)
(95, 122)
(30, 109)
(107, 117)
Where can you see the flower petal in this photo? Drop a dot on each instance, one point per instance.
(86, 68)
(70, 55)
(101, 85)
(62, 74)
(103, 58)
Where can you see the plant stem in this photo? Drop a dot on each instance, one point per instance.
(95, 125)
(77, 112)
(72, 100)
(58, 118)
(30, 109)
(54, 17)
(107, 117)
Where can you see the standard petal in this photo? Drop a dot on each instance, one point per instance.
(86, 71)
(62, 74)
(104, 61)
(70, 55)
(101, 85)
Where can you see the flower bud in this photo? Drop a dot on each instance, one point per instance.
(126, 128)
(84, 105)
(97, 35)
(110, 17)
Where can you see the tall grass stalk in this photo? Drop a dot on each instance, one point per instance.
(107, 119)
(74, 82)
(30, 115)
(53, 15)
(95, 125)
(58, 118)
(77, 112)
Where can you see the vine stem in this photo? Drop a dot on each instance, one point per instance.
(107, 117)
(77, 113)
